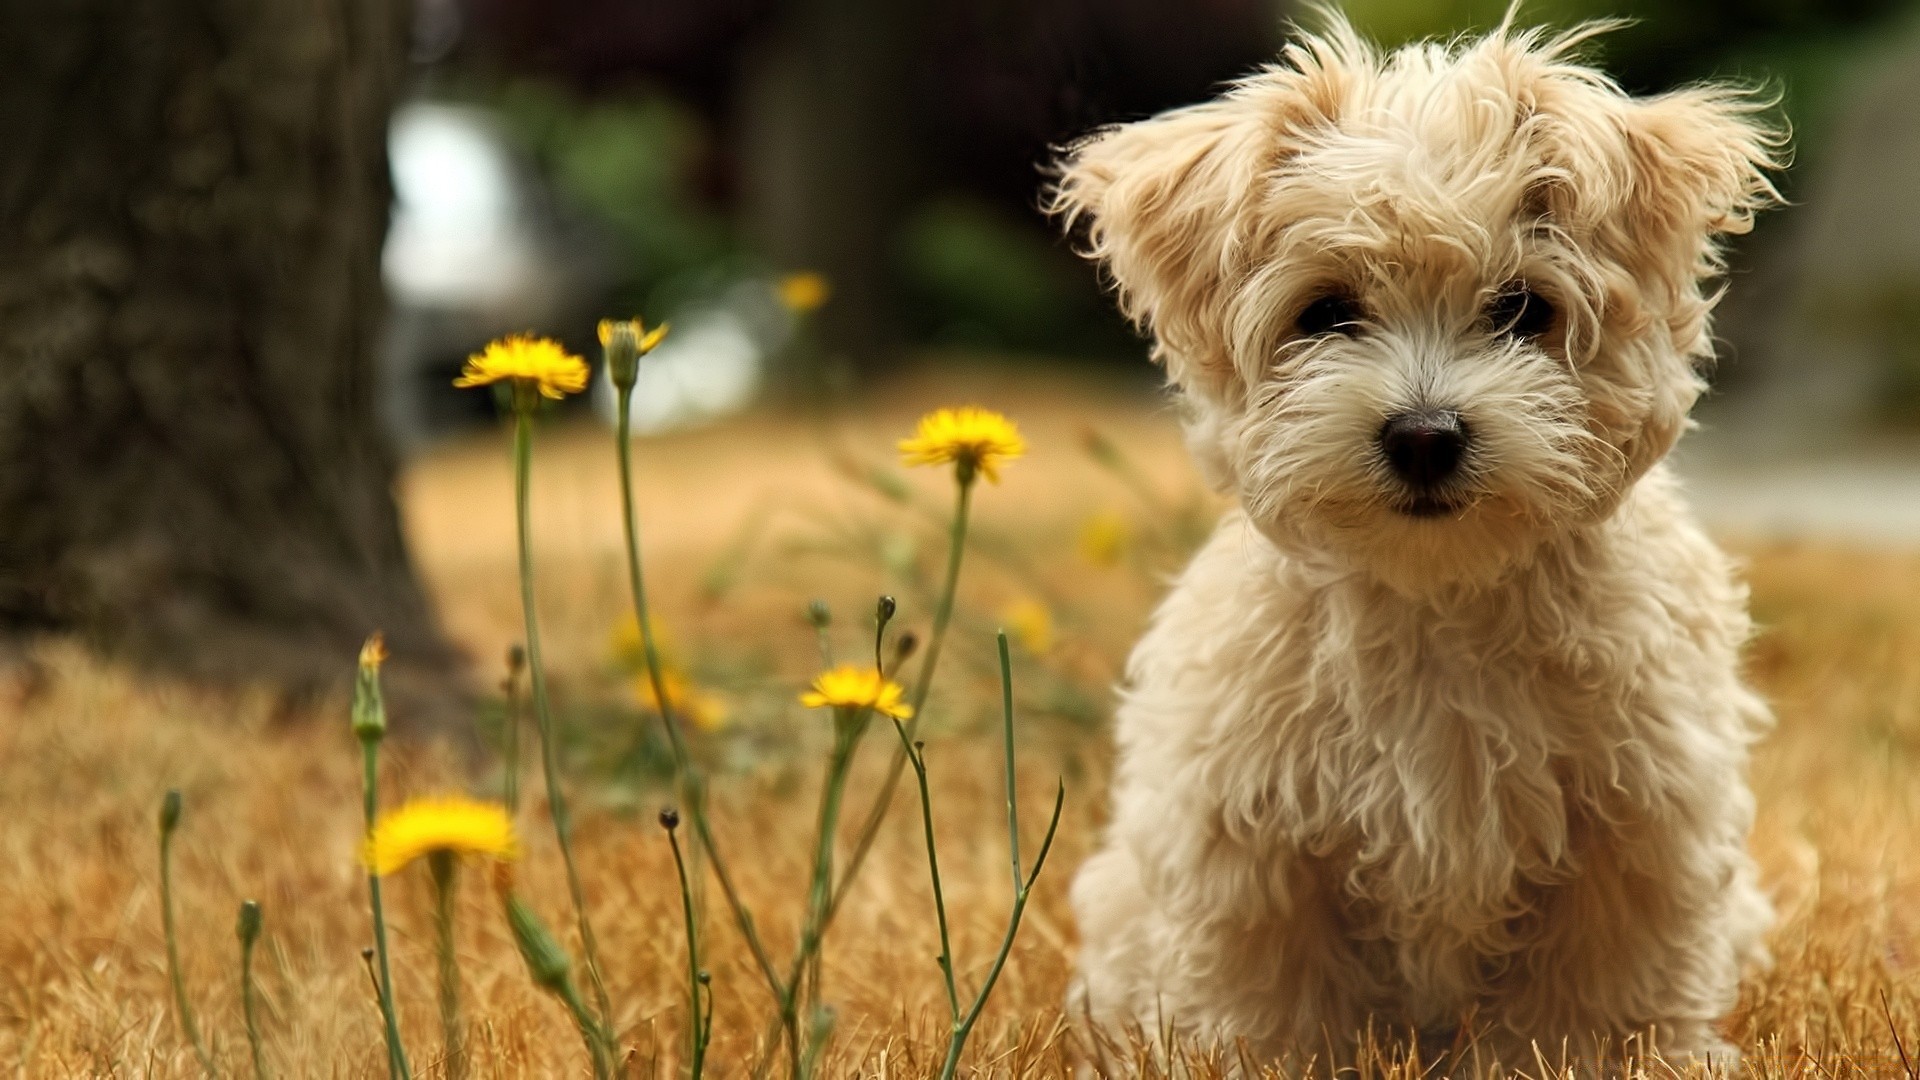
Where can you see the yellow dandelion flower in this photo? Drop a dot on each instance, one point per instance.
(532, 362)
(453, 824)
(804, 292)
(1030, 623)
(1104, 538)
(974, 439)
(705, 711)
(851, 687)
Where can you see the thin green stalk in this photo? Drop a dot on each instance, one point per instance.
(1006, 753)
(916, 755)
(248, 930)
(923, 685)
(698, 1026)
(510, 733)
(1022, 881)
(370, 796)
(550, 968)
(445, 868)
(964, 1028)
(692, 789)
(542, 710)
(821, 899)
(170, 807)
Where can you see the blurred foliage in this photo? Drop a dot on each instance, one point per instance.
(1801, 48)
(980, 276)
(977, 271)
(626, 160)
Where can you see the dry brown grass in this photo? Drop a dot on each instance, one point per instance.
(85, 753)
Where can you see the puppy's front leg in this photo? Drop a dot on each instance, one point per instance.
(1640, 952)
(1187, 930)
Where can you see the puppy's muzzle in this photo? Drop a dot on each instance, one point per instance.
(1424, 448)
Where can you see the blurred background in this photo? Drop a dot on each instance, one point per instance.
(244, 250)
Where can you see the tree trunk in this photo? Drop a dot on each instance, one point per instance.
(193, 195)
(826, 146)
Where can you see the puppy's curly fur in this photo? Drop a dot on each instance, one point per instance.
(1445, 734)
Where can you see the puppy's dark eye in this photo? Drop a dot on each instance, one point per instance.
(1330, 313)
(1518, 311)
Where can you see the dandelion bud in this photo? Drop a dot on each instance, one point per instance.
(885, 609)
(669, 818)
(706, 978)
(818, 614)
(248, 928)
(904, 646)
(369, 711)
(366, 953)
(546, 961)
(516, 658)
(170, 811)
(625, 341)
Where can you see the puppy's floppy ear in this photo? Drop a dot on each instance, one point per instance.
(1697, 161)
(1164, 203)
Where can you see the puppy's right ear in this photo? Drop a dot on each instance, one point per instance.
(1165, 205)
(1156, 203)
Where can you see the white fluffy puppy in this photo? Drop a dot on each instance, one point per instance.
(1444, 730)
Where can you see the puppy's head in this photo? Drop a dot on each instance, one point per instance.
(1426, 308)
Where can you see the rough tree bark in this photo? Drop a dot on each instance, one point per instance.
(193, 195)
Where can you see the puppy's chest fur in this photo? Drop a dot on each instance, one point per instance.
(1436, 775)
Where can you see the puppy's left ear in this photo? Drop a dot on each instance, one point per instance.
(1698, 164)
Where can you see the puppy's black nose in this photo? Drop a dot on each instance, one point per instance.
(1424, 447)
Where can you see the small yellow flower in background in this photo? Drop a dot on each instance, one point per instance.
(630, 652)
(1104, 538)
(804, 292)
(1030, 623)
(976, 439)
(705, 711)
(453, 824)
(533, 362)
(852, 687)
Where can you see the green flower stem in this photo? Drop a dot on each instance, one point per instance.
(699, 1026)
(249, 933)
(590, 1030)
(692, 788)
(917, 756)
(370, 797)
(510, 735)
(943, 615)
(1022, 881)
(445, 867)
(849, 725)
(550, 968)
(524, 402)
(169, 821)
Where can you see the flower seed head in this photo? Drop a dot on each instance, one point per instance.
(248, 927)
(170, 811)
(669, 818)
